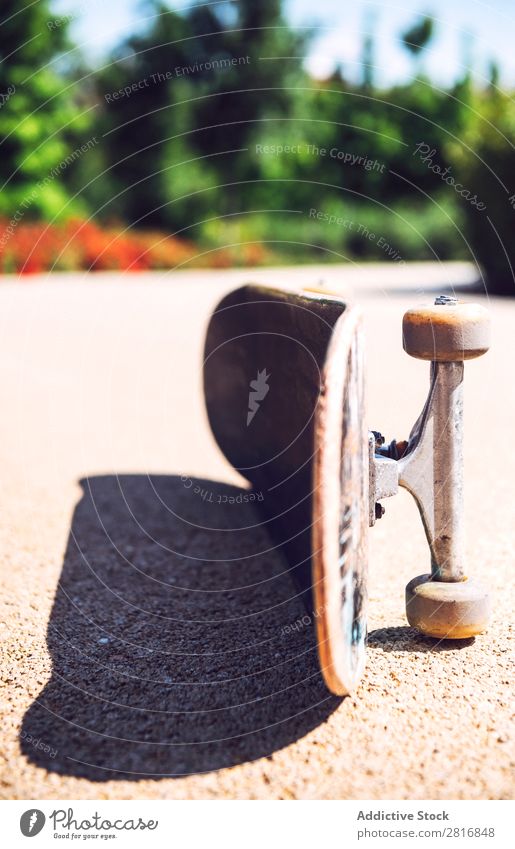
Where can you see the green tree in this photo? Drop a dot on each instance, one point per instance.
(417, 38)
(40, 123)
(368, 52)
(138, 93)
(228, 73)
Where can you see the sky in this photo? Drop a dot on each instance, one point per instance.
(468, 32)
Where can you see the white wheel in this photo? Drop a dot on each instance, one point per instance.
(447, 332)
(448, 610)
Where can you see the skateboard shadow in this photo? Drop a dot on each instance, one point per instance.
(404, 638)
(178, 640)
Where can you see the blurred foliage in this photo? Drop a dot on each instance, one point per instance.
(77, 245)
(172, 120)
(209, 127)
(40, 122)
(417, 38)
(484, 160)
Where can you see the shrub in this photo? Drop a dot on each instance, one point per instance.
(32, 247)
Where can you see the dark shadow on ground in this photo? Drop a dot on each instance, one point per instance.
(173, 647)
(404, 638)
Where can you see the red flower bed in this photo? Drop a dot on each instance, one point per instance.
(29, 248)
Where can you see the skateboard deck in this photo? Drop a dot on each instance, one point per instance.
(284, 392)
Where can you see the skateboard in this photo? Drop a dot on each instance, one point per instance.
(284, 386)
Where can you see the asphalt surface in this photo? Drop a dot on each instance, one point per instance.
(147, 652)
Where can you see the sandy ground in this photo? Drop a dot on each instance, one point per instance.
(144, 650)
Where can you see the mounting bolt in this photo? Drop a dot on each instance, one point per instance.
(379, 510)
(445, 300)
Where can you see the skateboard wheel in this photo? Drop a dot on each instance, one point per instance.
(447, 610)
(446, 332)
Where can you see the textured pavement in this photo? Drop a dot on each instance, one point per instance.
(147, 652)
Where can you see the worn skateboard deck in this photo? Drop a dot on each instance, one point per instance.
(284, 391)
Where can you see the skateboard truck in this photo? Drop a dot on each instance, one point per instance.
(445, 603)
